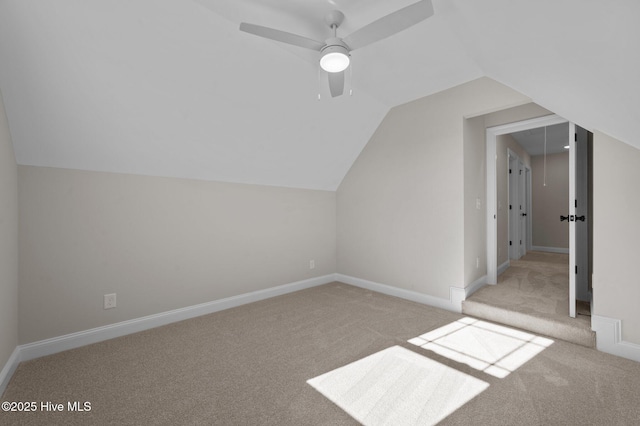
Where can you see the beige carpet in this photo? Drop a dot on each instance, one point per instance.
(250, 366)
(533, 294)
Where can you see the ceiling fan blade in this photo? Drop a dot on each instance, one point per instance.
(281, 36)
(388, 25)
(336, 83)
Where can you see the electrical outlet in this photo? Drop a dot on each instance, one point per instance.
(312, 264)
(110, 301)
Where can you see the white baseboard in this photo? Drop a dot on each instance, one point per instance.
(74, 340)
(475, 286)
(9, 369)
(456, 297)
(504, 267)
(456, 294)
(551, 249)
(609, 338)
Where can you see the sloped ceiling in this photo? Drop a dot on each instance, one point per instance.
(173, 88)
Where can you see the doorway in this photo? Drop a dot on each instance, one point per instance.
(520, 218)
(492, 180)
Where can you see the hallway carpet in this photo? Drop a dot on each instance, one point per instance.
(533, 294)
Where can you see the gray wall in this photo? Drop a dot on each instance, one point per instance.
(616, 233)
(403, 207)
(551, 201)
(159, 243)
(8, 242)
(475, 189)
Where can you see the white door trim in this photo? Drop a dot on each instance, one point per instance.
(513, 198)
(522, 210)
(492, 196)
(572, 223)
(529, 219)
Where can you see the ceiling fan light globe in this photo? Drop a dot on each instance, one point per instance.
(334, 62)
(334, 59)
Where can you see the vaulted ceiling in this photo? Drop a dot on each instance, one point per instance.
(173, 88)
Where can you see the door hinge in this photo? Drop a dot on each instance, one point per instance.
(509, 171)
(510, 243)
(576, 269)
(509, 206)
(576, 203)
(520, 242)
(520, 172)
(575, 137)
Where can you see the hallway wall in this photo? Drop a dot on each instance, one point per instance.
(550, 201)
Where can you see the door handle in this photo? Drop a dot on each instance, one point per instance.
(562, 218)
(580, 218)
(523, 214)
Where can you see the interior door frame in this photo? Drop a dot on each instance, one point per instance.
(492, 191)
(529, 217)
(514, 200)
(524, 210)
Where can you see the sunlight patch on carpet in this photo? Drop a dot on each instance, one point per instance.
(492, 348)
(398, 387)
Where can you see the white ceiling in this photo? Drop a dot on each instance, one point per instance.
(549, 140)
(173, 88)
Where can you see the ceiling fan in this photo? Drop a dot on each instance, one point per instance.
(335, 51)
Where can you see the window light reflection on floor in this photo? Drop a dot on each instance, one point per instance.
(492, 348)
(397, 386)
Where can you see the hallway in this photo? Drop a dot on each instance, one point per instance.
(533, 294)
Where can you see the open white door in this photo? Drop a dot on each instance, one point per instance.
(572, 220)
